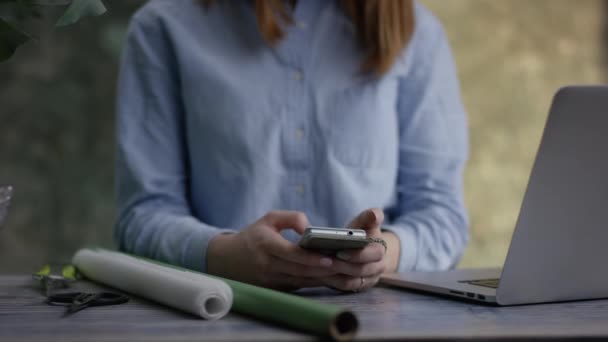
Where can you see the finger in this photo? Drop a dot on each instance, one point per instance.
(348, 283)
(283, 249)
(373, 252)
(298, 270)
(283, 219)
(369, 219)
(358, 270)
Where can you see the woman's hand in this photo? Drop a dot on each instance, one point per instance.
(260, 255)
(360, 269)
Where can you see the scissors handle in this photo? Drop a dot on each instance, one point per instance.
(109, 298)
(82, 301)
(76, 301)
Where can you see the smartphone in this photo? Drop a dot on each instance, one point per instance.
(326, 239)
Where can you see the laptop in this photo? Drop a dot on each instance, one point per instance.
(559, 248)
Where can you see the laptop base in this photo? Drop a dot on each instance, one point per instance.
(449, 283)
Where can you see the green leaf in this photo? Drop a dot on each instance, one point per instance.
(79, 9)
(10, 39)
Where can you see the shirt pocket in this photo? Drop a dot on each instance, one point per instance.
(364, 131)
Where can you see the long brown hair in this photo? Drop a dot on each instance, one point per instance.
(384, 27)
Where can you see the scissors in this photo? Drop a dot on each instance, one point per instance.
(76, 301)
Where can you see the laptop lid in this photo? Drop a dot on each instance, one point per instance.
(560, 244)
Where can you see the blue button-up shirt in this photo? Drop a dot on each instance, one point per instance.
(216, 128)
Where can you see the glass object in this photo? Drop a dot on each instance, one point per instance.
(6, 192)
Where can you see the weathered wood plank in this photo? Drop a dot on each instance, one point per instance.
(384, 313)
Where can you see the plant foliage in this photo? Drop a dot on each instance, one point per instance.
(15, 12)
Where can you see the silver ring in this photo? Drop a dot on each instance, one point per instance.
(361, 285)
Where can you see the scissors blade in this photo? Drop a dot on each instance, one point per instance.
(82, 301)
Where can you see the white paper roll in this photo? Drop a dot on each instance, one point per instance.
(195, 293)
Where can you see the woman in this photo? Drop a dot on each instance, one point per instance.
(239, 123)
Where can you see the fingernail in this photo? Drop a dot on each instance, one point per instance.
(373, 215)
(326, 262)
(378, 215)
(343, 255)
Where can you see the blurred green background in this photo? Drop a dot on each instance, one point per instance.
(57, 118)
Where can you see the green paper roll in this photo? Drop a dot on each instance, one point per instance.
(293, 311)
(321, 319)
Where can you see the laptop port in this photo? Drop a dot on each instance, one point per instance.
(457, 292)
(470, 295)
(482, 297)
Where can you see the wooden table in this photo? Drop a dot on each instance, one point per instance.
(384, 313)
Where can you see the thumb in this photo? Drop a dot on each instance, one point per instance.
(285, 219)
(368, 219)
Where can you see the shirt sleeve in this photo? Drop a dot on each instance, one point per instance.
(429, 216)
(154, 215)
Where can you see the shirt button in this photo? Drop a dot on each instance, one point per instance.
(297, 75)
(300, 189)
(299, 133)
(302, 25)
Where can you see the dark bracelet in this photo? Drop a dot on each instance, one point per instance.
(380, 241)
